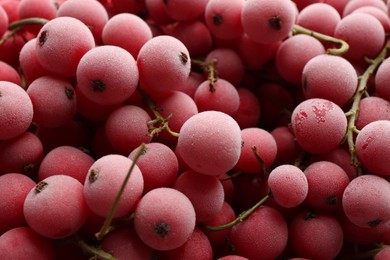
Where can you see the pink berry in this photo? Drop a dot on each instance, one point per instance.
(312, 16)
(267, 227)
(382, 17)
(124, 243)
(45, 9)
(197, 247)
(371, 147)
(255, 55)
(226, 215)
(17, 110)
(107, 75)
(228, 64)
(126, 128)
(195, 36)
(210, 142)
(163, 63)
(288, 185)
(158, 164)
(4, 21)
(267, 21)
(372, 109)
(61, 198)
(127, 31)
(221, 96)
(54, 101)
(29, 62)
(25, 243)
(288, 149)
(185, 10)
(382, 80)
(61, 44)
(22, 154)
(355, 29)
(205, 193)
(355, 4)
(8, 73)
(14, 188)
(294, 53)
(327, 182)
(104, 180)
(264, 145)
(164, 219)
(383, 254)
(319, 125)
(91, 13)
(316, 235)
(67, 160)
(224, 19)
(366, 201)
(249, 111)
(329, 77)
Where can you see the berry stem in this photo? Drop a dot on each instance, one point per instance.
(97, 252)
(352, 114)
(244, 215)
(209, 68)
(159, 119)
(297, 29)
(28, 21)
(259, 159)
(366, 255)
(106, 228)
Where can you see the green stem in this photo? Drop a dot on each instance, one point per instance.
(28, 21)
(353, 113)
(106, 228)
(97, 252)
(344, 46)
(366, 255)
(159, 119)
(244, 215)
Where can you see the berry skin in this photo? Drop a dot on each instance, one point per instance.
(265, 146)
(355, 29)
(329, 77)
(210, 142)
(222, 96)
(125, 244)
(267, 227)
(16, 110)
(164, 219)
(158, 164)
(22, 154)
(67, 160)
(107, 75)
(327, 182)
(103, 181)
(61, 198)
(127, 31)
(54, 101)
(267, 21)
(25, 243)
(14, 188)
(224, 19)
(90, 12)
(61, 44)
(164, 64)
(316, 235)
(126, 128)
(197, 247)
(366, 201)
(205, 193)
(294, 53)
(382, 80)
(319, 125)
(372, 149)
(288, 185)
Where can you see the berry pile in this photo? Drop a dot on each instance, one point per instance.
(183, 129)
